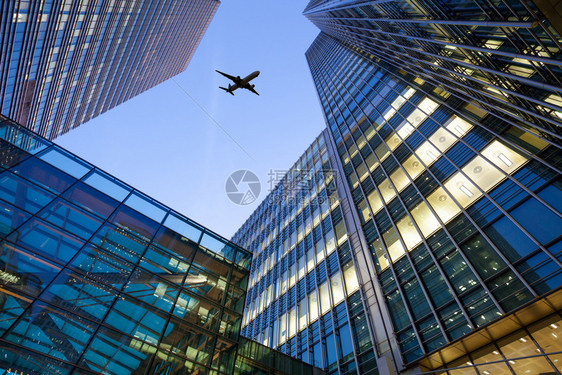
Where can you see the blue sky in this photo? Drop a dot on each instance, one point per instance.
(163, 144)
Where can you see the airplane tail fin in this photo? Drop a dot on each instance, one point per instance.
(227, 90)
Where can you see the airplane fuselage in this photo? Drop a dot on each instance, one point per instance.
(240, 83)
(244, 81)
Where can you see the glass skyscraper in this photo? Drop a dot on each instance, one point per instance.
(460, 214)
(65, 62)
(96, 277)
(448, 208)
(304, 295)
(504, 55)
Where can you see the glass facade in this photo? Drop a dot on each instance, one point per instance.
(304, 297)
(65, 62)
(503, 55)
(96, 277)
(459, 209)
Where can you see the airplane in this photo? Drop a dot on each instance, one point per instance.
(240, 82)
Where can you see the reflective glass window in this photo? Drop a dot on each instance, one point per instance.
(43, 175)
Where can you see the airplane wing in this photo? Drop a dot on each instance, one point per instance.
(251, 88)
(232, 78)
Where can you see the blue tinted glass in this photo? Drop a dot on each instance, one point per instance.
(55, 332)
(80, 296)
(146, 206)
(183, 227)
(541, 222)
(331, 350)
(71, 218)
(47, 240)
(107, 184)
(151, 289)
(107, 351)
(30, 362)
(513, 243)
(90, 199)
(345, 344)
(24, 271)
(22, 137)
(10, 217)
(175, 244)
(102, 266)
(22, 193)
(218, 246)
(552, 194)
(134, 222)
(317, 355)
(119, 242)
(43, 174)
(63, 160)
(10, 155)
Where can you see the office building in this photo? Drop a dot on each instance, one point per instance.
(304, 296)
(505, 55)
(96, 277)
(460, 215)
(448, 214)
(65, 62)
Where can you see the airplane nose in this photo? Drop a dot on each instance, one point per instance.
(257, 73)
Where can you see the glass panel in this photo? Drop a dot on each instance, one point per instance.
(212, 263)
(413, 166)
(205, 284)
(313, 306)
(55, 333)
(48, 240)
(218, 246)
(408, 232)
(44, 175)
(119, 242)
(483, 257)
(179, 246)
(22, 137)
(183, 227)
(23, 271)
(513, 243)
(136, 319)
(426, 221)
(10, 155)
(190, 342)
(107, 184)
(350, 277)
(393, 244)
(11, 218)
(28, 362)
(324, 297)
(90, 199)
(80, 296)
(160, 262)
(63, 160)
(110, 352)
(71, 218)
(146, 206)
(197, 311)
(23, 194)
(101, 266)
(544, 230)
(386, 190)
(151, 289)
(442, 204)
(337, 288)
(134, 222)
